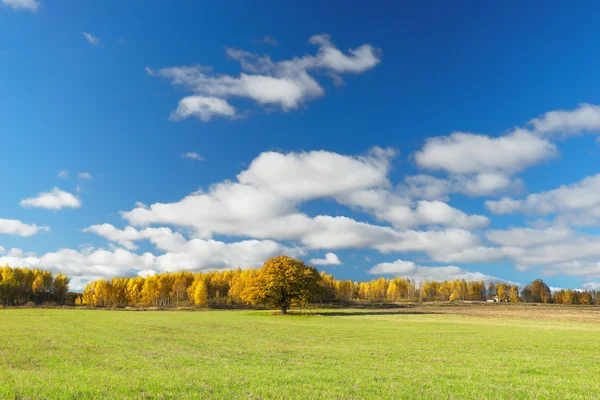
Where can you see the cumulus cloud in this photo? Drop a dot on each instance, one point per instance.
(192, 155)
(527, 237)
(124, 237)
(53, 200)
(467, 153)
(478, 165)
(85, 175)
(94, 41)
(286, 84)
(64, 174)
(264, 204)
(402, 212)
(578, 248)
(330, 259)
(25, 5)
(591, 286)
(553, 250)
(408, 269)
(577, 203)
(202, 107)
(16, 227)
(178, 254)
(483, 184)
(564, 123)
(317, 173)
(588, 269)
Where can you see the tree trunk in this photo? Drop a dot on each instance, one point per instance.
(283, 310)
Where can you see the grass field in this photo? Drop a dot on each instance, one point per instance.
(490, 351)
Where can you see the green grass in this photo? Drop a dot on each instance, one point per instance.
(77, 354)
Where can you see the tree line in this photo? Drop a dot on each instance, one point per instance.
(240, 287)
(19, 286)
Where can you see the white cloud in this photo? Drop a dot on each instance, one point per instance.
(448, 245)
(527, 237)
(54, 200)
(575, 268)
(467, 153)
(591, 286)
(192, 155)
(124, 237)
(94, 41)
(483, 184)
(330, 259)
(202, 107)
(568, 123)
(16, 227)
(27, 5)
(64, 174)
(85, 175)
(404, 213)
(177, 254)
(580, 247)
(505, 205)
(264, 203)
(577, 203)
(408, 269)
(330, 57)
(555, 250)
(317, 173)
(286, 84)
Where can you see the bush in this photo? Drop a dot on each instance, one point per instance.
(31, 304)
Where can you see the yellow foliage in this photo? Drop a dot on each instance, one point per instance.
(282, 282)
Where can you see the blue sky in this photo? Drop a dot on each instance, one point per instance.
(322, 129)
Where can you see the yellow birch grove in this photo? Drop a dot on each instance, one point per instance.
(19, 286)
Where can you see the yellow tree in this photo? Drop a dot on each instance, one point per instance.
(180, 285)
(238, 283)
(282, 282)
(344, 290)
(133, 292)
(513, 295)
(150, 291)
(393, 292)
(200, 293)
(502, 290)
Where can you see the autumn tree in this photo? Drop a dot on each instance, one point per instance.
(503, 291)
(198, 291)
(513, 294)
(60, 288)
(537, 292)
(282, 282)
(344, 290)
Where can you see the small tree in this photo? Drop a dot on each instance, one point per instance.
(282, 282)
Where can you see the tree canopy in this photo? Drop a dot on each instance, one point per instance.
(537, 292)
(282, 282)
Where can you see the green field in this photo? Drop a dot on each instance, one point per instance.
(347, 354)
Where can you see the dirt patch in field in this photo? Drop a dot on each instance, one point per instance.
(550, 312)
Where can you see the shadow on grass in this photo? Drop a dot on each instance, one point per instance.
(366, 313)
